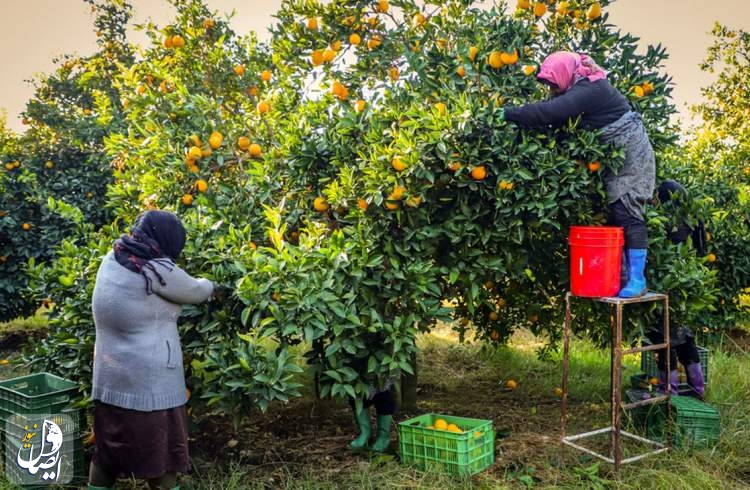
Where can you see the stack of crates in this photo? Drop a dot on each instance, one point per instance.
(651, 369)
(696, 424)
(27, 401)
(467, 451)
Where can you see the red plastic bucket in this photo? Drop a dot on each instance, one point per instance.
(595, 260)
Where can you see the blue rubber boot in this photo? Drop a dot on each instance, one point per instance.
(636, 285)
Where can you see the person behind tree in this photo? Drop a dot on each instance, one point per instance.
(580, 89)
(140, 422)
(671, 195)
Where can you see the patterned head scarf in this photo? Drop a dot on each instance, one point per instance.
(564, 69)
(156, 236)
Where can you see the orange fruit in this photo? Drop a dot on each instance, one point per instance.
(374, 42)
(711, 258)
(511, 384)
(508, 58)
(317, 57)
(49, 164)
(523, 4)
(653, 381)
(382, 6)
(195, 140)
(168, 42)
(243, 143)
(26, 226)
(494, 316)
(362, 204)
(648, 88)
(414, 201)
(312, 23)
(320, 204)
(540, 9)
(263, 107)
(479, 172)
(194, 153)
(391, 206)
(208, 23)
(141, 89)
(336, 45)
(266, 75)
(201, 185)
(454, 167)
(528, 69)
(354, 39)
(398, 193)
(453, 428)
(461, 71)
(215, 140)
(397, 164)
(562, 9)
(495, 59)
(253, 246)
(329, 55)
(638, 91)
(239, 70)
(533, 318)
(594, 166)
(595, 11)
(393, 73)
(473, 50)
(494, 335)
(558, 391)
(441, 424)
(187, 199)
(441, 108)
(255, 150)
(505, 185)
(418, 20)
(178, 41)
(360, 105)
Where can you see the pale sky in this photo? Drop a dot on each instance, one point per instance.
(34, 31)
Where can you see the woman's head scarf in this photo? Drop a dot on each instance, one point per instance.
(564, 69)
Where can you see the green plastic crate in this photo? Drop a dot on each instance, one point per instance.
(459, 453)
(696, 424)
(15, 424)
(36, 393)
(651, 368)
(72, 463)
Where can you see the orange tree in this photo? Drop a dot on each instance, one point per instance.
(60, 157)
(353, 182)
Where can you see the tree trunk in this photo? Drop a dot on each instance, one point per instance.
(409, 387)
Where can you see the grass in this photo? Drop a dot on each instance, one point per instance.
(302, 445)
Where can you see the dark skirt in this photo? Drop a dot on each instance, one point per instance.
(137, 444)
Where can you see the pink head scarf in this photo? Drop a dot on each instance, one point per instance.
(564, 68)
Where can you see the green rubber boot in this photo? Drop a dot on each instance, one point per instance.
(93, 487)
(363, 424)
(383, 439)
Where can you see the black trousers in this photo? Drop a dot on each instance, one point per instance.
(636, 233)
(682, 348)
(384, 402)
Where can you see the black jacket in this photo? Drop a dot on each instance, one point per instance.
(598, 103)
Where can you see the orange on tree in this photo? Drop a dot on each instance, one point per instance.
(648, 88)
(638, 91)
(141, 89)
(711, 258)
(414, 201)
(336, 45)
(653, 381)
(511, 384)
(252, 91)
(595, 11)
(397, 193)
(454, 166)
(266, 75)
(354, 39)
(195, 140)
(243, 143)
(441, 108)
(397, 164)
(528, 69)
(359, 106)
(215, 140)
(26, 226)
(374, 42)
(509, 58)
(392, 206)
(255, 150)
(494, 335)
(312, 23)
(461, 71)
(494, 316)
(239, 70)
(194, 153)
(320, 204)
(594, 166)
(393, 73)
(178, 41)
(168, 42)
(263, 107)
(201, 185)
(362, 204)
(523, 4)
(473, 51)
(329, 55)
(558, 391)
(540, 8)
(418, 20)
(317, 57)
(562, 9)
(208, 23)
(49, 164)
(187, 199)
(382, 6)
(479, 172)
(495, 59)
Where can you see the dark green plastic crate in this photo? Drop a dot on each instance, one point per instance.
(651, 368)
(459, 453)
(696, 424)
(36, 393)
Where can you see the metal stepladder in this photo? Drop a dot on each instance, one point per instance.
(617, 352)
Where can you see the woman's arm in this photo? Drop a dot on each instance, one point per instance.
(180, 287)
(554, 112)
